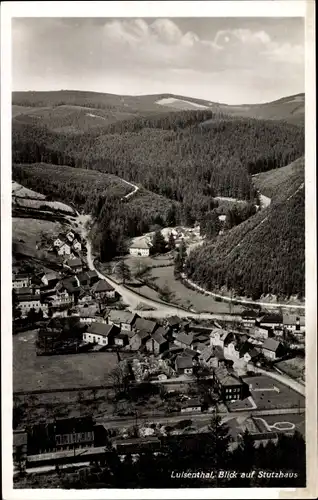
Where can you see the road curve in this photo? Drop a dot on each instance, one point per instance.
(134, 191)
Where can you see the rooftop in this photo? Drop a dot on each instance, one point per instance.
(174, 321)
(158, 337)
(271, 318)
(191, 403)
(121, 316)
(291, 319)
(271, 344)
(142, 244)
(100, 329)
(29, 298)
(74, 262)
(145, 324)
(184, 338)
(183, 362)
(102, 286)
(226, 378)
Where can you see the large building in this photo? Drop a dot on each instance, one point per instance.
(101, 333)
(21, 280)
(140, 248)
(228, 385)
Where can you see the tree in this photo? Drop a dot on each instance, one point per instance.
(218, 443)
(166, 294)
(142, 271)
(123, 271)
(171, 242)
(158, 243)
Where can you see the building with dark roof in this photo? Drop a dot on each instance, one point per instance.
(125, 320)
(145, 324)
(184, 365)
(183, 339)
(229, 386)
(271, 320)
(191, 405)
(100, 333)
(272, 349)
(157, 343)
(75, 265)
(102, 289)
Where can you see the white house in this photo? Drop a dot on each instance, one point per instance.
(218, 336)
(28, 302)
(294, 323)
(272, 349)
(140, 248)
(100, 333)
(49, 278)
(21, 280)
(77, 245)
(65, 249)
(59, 241)
(70, 236)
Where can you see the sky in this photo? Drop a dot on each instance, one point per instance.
(228, 60)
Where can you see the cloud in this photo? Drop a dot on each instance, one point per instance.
(84, 50)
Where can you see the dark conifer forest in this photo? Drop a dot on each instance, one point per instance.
(181, 161)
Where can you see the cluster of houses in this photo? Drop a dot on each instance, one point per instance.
(273, 323)
(68, 244)
(54, 291)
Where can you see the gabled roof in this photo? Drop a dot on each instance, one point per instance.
(121, 316)
(143, 334)
(83, 278)
(207, 354)
(70, 284)
(158, 337)
(74, 262)
(226, 378)
(174, 321)
(244, 348)
(184, 338)
(20, 277)
(145, 324)
(25, 290)
(163, 331)
(229, 338)
(183, 362)
(250, 314)
(101, 329)
(190, 352)
(142, 244)
(271, 344)
(51, 276)
(271, 318)
(102, 286)
(200, 347)
(92, 274)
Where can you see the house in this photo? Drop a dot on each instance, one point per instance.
(21, 280)
(261, 332)
(157, 343)
(146, 325)
(270, 320)
(294, 323)
(138, 340)
(206, 356)
(64, 249)
(102, 289)
(191, 405)
(84, 297)
(86, 316)
(184, 365)
(217, 337)
(121, 339)
(75, 265)
(183, 339)
(60, 240)
(50, 279)
(140, 248)
(27, 302)
(272, 349)
(20, 448)
(67, 291)
(61, 434)
(199, 347)
(25, 290)
(138, 446)
(229, 386)
(248, 352)
(100, 333)
(76, 245)
(249, 317)
(87, 278)
(123, 319)
(70, 236)
(174, 322)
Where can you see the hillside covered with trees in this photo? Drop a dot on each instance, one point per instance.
(263, 255)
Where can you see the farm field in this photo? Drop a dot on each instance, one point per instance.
(32, 372)
(43, 205)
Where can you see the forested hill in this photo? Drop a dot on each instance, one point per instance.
(275, 182)
(263, 255)
(171, 154)
(57, 105)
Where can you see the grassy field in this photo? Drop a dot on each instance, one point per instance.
(43, 205)
(27, 234)
(266, 399)
(294, 368)
(272, 182)
(23, 192)
(31, 372)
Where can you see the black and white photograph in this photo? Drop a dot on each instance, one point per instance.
(158, 250)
